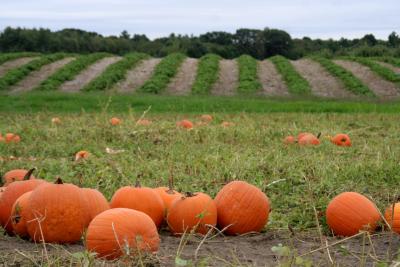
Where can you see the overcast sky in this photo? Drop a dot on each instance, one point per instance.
(155, 18)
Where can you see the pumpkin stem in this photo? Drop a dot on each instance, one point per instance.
(137, 183)
(171, 183)
(59, 180)
(319, 135)
(190, 194)
(29, 174)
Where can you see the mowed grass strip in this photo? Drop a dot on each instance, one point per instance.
(11, 56)
(296, 84)
(15, 75)
(207, 74)
(115, 72)
(377, 68)
(248, 77)
(163, 73)
(96, 102)
(69, 71)
(351, 82)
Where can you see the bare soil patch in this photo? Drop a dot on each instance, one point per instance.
(136, 77)
(228, 78)
(248, 250)
(12, 64)
(88, 74)
(36, 77)
(271, 80)
(183, 81)
(321, 82)
(379, 86)
(390, 66)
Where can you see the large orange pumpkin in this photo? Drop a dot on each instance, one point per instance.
(341, 140)
(394, 221)
(19, 215)
(97, 203)
(117, 232)
(57, 213)
(350, 212)
(192, 212)
(139, 198)
(10, 195)
(242, 208)
(17, 175)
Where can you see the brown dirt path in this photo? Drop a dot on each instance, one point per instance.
(271, 80)
(12, 64)
(379, 86)
(247, 250)
(321, 82)
(36, 77)
(136, 77)
(88, 74)
(390, 66)
(228, 78)
(182, 83)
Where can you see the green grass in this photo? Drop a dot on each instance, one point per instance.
(4, 57)
(351, 82)
(163, 73)
(69, 71)
(248, 75)
(115, 72)
(382, 71)
(391, 60)
(296, 84)
(95, 102)
(207, 74)
(15, 75)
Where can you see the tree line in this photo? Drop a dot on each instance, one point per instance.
(259, 44)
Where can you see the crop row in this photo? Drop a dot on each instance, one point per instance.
(248, 76)
(11, 56)
(207, 74)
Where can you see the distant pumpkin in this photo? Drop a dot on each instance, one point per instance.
(289, 140)
(83, 154)
(186, 124)
(12, 138)
(115, 121)
(308, 139)
(227, 124)
(341, 140)
(206, 118)
(350, 212)
(118, 232)
(393, 221)
(56, 120)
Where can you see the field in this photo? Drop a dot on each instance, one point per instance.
(319, 95)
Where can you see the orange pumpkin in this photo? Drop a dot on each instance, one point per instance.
(186, 124)
(17, 175)
(300, 135)
(242, 208)
(57, 213)
(226, 124)
(19, 214)
(289, 140)
(12, 138)
(97, 203)
(83, 154)
(308, 139)
(117, 232)
(394, 221)
(115, 121)
(139, 198)
(56, 120)
(143, 122)
(341, 140)
(10, 195)
(168, 195)
(192, 212)
(206, 118)
(350, 212)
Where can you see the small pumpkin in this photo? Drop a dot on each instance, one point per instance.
(350, 212)
(192, 212)
(19, 214)
(242, 208)
(206, 118)
(341, 140)
(117, 232)
(227, 124)
(96, 201)
(168, 195)
(393, 221)
(12, 138)
(309, 139)
(17, 175)
(83, 154)
(186, 124)
(11, 194)
(289, 140)
(139, 198)
(57, 213)
(56, 120)
(115, 121)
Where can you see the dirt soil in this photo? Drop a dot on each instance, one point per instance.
(228, 78)
(136, 77)
(390, 66)
(86, 76)
(271, 80)
(321, 82)
(248, 250)
(183, 81)
(11, 64)
(36, 77)
(379, 86)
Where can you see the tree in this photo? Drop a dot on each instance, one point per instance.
(394, 40)
(125, 35)
(369, 39)
(275, 42)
